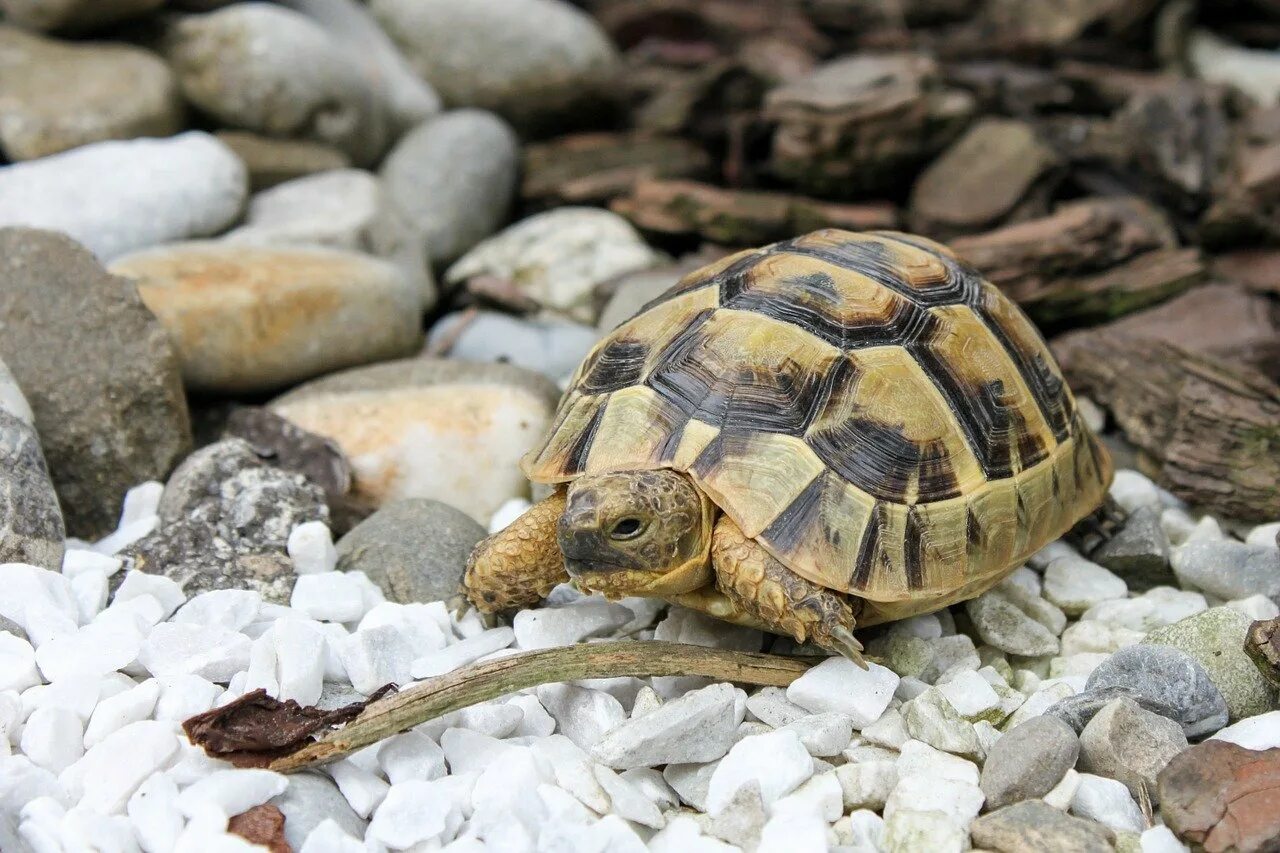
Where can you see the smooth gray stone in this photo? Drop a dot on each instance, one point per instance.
(413, 549)
(1139, 551)
(1028, 761)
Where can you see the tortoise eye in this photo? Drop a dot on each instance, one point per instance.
(627, 528)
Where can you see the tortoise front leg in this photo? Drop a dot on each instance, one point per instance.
(757, 584)
(519, 565)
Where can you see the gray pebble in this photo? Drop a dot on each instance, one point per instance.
(1028, 761)
(408, 98)
(528, 60)
(110, 197)
(1130, 744)
(1036, 825)
(1170, 678)
(413, 549)
(1215, 638)
(1139, 551)
(98, 370)
(31, 529)
(225, 521)
(274, 71)
(310, 799)
(1228, 569)
(454, 177)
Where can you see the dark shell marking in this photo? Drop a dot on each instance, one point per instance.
(865, 405)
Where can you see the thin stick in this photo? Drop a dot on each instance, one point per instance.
(481, 682)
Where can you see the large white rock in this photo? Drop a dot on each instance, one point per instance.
(108, 774)
(777, 762)
(838, 684)
(699, 726)
(116, 197)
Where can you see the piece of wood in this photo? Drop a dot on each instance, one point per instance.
(1213, 427)
(742, 217)
(484, 681)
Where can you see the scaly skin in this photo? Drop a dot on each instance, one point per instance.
(757, 584)
(518, 566)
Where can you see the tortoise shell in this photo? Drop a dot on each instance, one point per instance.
(880, 418)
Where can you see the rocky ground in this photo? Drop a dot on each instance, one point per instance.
(286, 289)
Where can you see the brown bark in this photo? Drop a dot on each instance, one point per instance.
(1214, 427)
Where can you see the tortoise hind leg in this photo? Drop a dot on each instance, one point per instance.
(757, 584)
(518, 566)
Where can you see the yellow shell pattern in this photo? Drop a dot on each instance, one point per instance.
(879, 417)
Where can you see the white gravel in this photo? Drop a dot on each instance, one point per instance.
(91, 749)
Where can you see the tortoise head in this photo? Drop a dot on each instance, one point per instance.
(637, 533)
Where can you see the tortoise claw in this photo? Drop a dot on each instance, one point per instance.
(842, 641)
(458, 604)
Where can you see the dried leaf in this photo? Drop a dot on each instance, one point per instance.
(254, 729)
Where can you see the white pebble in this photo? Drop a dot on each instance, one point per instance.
(361, 788)
(329, 596)
(184, 695)
(1264, 534)
(53, 738)
(97, 648)
(627, 801)
(970, 694)
(1160, 839)
(1133, 490)
(230, 792)
(1064, 792)
(311, 548)
(102, 781)
(411, 755)
(375, 657)
(959, 801)
(21, 781)
(507, 513)
(163, 589)
(918, 758)
(85, 829)
(17, 663)
(233, 609)
(1256, 607)
(838, 684)
(584, 715)
(126, 535)
(534, 719)
(300, 651)
(153, 811)
(777, 762)
(410, 814)
(574, 771)
(120, 710)
(78, 560)
(1076, 584)
(462, 653)
(211, 652)
(329, 837)
(822, 793)
(548, 627)
(78, 693)
(1258, 732)
(823, 735)
(90, 590)
(142, 501)
(795, 829)
(39, 600)
(415, 622)
(1108, 802)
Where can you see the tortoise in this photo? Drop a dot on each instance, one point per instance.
(832, 431)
